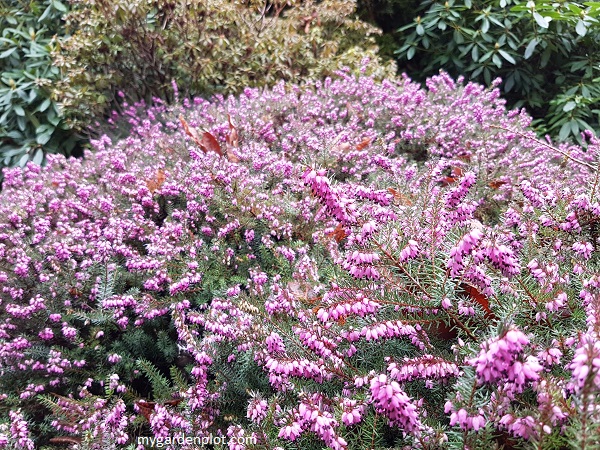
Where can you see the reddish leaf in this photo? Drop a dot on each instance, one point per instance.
(210, 143)
(65, 440)
(145, 408)
(456, 171)
(447, 181)
(455, 174)
(232, 157)
(478, 298)
(191, 132)
(364, 143)
(440, 330)
(232, 137)
(157, 181)
(339, 234)
(206, 143)
(495, 184)
(400, 197)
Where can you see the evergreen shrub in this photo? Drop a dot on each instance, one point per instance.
(31, 120)
(546, 53)
(345, 264)
(217, 46)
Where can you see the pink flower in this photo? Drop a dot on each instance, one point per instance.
(257, 410)
(390, 400)
(501, 359)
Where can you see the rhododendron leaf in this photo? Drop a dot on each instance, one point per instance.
(232, 157)
(190, 132)
(495, 184)
(399, 197)
(145, 408)
(206, 143)
(156, 182)
(232, 137)
(65, 440)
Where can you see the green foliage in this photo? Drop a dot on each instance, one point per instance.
(161, 387)
(217, 46)
(546, 53)
(31, 120)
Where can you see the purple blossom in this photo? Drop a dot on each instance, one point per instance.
(502, 359)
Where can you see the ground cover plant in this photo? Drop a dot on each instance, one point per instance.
(341, 264)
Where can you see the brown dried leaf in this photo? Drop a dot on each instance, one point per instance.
(145, 408)
(210, 143)
(191, 132)
(339, 234)
(65, 440)
(479, 298)
(232, 157)
(232, 137)
(157, 181)
(364, 143)
(495, 184)
(206, 143)
(399, 197)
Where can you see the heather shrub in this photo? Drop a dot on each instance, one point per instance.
(343, 264)
(63, 64)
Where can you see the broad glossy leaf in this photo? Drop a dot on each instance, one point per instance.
(507, 56)
(7, 53)
(531, 48)
(38, 157)
(569, 106)
(541, 21)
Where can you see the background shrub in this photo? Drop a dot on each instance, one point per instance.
(207, 47)
(546, 54)
(31, 120)
(65, 64)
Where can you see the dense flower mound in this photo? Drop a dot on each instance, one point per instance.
(349, 264)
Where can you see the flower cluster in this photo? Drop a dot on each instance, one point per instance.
(501, 360)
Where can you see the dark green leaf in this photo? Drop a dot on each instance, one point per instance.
(496, 60)
(530, 48)
(507, 56)
(44, 105)
(38, 157)
(541, 21)
(7, 53)
(59, 6)
(564, 131)
(19, 111)
(569, 106)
